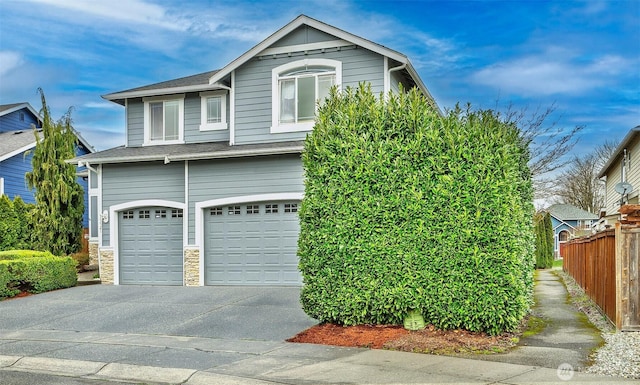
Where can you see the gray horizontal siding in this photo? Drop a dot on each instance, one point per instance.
(192, 120)
(253, 90)
(225, 178)
(130, 182)
(135, 122)
(303, 35)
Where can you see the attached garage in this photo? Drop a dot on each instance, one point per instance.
(150, 246)
(252, 244)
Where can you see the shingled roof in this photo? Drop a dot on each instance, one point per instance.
(565, 212)
(15, 142)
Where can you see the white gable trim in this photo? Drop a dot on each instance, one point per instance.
(305, 20)
(21, 106)
(200, 206)
(18, 151)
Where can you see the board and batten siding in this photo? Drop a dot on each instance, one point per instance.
(140, 181)
(304, 35)
(214, 179)
(135, 122)
(253, 90)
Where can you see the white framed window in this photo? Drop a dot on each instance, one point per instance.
(213, 110)
(296, 89)
(164, 120)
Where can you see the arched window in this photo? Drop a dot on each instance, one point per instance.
(563, 236)
(297, 87)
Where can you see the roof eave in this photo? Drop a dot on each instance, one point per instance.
(625, 142)
(414, 74)
(119, 96)
(196, 156)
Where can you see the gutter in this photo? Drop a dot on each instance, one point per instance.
(197, 156)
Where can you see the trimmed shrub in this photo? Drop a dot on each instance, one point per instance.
(405, 209)
(15, 223)
(19, 254)
(35, 272)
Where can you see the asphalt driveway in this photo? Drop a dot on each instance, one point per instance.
(246, 313)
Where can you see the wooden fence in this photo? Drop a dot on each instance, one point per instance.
(591, 261)
(607, 266)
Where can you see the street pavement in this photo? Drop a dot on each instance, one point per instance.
(224, 335)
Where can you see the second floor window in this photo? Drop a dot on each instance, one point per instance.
(163, 121)
(213, 108)
(297, 87)
(299, 92)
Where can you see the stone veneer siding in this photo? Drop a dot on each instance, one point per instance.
(106, 266)
(93, 253)
(191, 267)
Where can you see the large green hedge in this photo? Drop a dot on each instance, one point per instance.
(35, 272)
(407, 209)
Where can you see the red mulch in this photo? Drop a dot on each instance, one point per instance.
(428, 340)
(367, 336)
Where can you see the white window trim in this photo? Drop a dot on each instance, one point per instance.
(1, 186)
(147, 119)
(276, 127)
(204, 126)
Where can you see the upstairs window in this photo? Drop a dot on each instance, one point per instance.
(213, 107)
(163, 120)
(297, 89)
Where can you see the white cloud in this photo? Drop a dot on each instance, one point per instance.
(102, 105)
(8, 61)
(130, 11)
(548, 74)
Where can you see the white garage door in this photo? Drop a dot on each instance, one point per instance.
(252, 244)
(150, 246)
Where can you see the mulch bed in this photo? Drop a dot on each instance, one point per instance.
(429, 340)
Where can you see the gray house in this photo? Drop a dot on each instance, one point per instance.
(207, 187)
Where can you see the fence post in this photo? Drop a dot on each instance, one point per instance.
(620, 247)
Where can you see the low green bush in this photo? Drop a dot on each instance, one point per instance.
(19, 254)
(34, 272)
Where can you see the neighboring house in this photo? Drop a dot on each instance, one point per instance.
(568, 222)
(17, 141)
(622, 167)
(207, 187)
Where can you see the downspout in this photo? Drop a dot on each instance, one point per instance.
(394, 69)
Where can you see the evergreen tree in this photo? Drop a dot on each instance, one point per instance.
(549, 241)
(57, 216)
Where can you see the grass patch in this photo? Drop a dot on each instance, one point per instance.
(557, 263)
(535, 325)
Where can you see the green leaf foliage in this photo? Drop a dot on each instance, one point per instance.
(406, 209)
(544, 241)
(57, 216)
(15, 223)
(35, 272)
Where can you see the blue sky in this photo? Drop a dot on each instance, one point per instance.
(584, 56)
